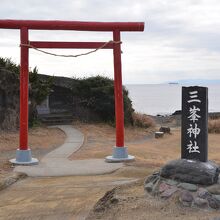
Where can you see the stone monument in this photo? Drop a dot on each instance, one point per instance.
(193, 167)
(194, 138)
(193, 177)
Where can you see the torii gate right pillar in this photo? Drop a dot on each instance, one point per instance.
(120, 152)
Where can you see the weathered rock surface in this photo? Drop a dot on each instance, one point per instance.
(201, 203)
(203, 193)
(171, 182)
(189, 195)
(169, 192)
(214, 189)
(163, 187)
(217, 197)
(191, 171)
(213, 203)
(188, 186)
(186, 198)
(10, 179)
(149, 187)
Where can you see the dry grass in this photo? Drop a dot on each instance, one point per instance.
(80, 193)
(214, 125)
(143, 120)
(39, 137)
(150, 154)
(148, 151)
(41, 141)
(100, 138)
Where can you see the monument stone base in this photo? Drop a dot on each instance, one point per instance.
(183, 193)
(189, 182)
(191, 171)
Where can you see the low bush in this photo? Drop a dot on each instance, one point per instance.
(97, 95)
(214, 126)
(142, 120)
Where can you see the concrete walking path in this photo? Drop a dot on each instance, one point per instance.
(56, 163)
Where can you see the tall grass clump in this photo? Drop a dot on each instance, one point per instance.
(142, 120)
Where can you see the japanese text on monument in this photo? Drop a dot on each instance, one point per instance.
(193, 131)
(194, 123)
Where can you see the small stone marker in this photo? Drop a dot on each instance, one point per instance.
(194, 123)
(159, 134)
(166, 130)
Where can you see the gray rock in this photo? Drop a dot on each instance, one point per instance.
(216, 218)
(214, 189)
(188, 186)
(159, 134)
(152, 178)
(169, 192)
(203, 193)
(217, 197)
(171, 182)
(191, 171)
(10, 179)
(155, 188)
(165, 130)
(186, 198)
(201, 203)
(149, 187)
(163, 187)
(213, 203)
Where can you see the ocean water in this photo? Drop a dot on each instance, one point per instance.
(166, 98)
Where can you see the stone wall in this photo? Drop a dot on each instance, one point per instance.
(9, 100)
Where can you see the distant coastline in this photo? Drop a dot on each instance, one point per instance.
(173, 83)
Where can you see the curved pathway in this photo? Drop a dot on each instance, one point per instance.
(56, 163)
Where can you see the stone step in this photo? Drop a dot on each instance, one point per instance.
(58, 123)
(55, 119)
(56, 116)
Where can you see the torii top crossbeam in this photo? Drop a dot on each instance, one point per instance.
(23, 155)
(72, 25)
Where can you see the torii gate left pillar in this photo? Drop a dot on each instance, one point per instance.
(23, 154)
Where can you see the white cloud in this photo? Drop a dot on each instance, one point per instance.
(181, 38)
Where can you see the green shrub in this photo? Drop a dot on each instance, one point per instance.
(97, 94)
(8, 64)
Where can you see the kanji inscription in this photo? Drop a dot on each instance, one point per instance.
(194, 138)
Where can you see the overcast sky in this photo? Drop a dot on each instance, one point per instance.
(181, 39)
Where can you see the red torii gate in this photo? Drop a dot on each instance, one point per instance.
(23, 154)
